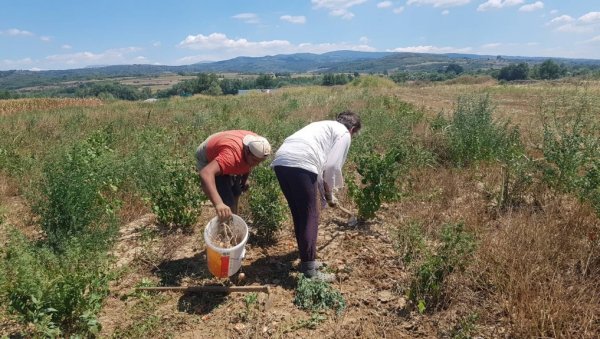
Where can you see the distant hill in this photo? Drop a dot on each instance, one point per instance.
(337, 61)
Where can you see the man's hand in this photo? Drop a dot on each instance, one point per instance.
(223, 211)
(331, 200)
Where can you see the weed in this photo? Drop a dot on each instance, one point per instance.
(176, 199)
(265, 204)
(428, 282)
(473, 135)
(411, 242)
(465, 328)
(76, 199)
(315, 295)
(378, 180)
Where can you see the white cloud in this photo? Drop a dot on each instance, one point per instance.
(111, 56)
(497, 4)
(445, 12)
(156, 44)
(65, 46)
(592, 40)
(561, 20)
(590, 18)
(439, 3)
(249, 18)
(45, 38)
(293, 19)
(338, 7)
(532, 7)
(384, 4)
(584, 24)
(554, 12)
(431, 49)
(16, 64)
(398, 10)
(16, 32)
(491, 45)
(363, 40)
(217, 46)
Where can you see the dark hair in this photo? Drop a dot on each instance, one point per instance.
(349, 119)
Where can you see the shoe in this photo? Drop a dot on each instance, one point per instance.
(320, 276)
(310, 269)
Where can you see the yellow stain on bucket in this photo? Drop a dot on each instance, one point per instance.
(224, 262)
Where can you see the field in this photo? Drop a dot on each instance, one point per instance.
(478, 202)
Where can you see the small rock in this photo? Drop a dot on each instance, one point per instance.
(240, 328)
(385, 296)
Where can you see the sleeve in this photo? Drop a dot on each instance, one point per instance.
(332, 171)
(226, 161)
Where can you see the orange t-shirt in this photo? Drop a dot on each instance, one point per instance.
(228, 150)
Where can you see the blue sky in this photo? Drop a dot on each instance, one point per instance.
(64, 34)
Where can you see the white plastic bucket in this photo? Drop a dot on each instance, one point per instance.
(224, 262)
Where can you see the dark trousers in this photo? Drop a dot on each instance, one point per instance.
(300, 190)
(229, 188)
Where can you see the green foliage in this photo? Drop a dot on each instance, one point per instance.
(473, 135)
(177, 196)
(59, 293)
(265, 81)
(549, 70)
(571, 147)
(315, 295)
(454, 68)
(331, 79)
(268, 211)
(428, 282)
(410, 242)
(465, 328)
(514, 72)
(76, 196)
(378, 180)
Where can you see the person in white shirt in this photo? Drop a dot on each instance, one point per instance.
(311, 159)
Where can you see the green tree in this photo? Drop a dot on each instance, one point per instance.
(550, 70)
(514, 72)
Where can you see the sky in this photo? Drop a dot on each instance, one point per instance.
(67, 34)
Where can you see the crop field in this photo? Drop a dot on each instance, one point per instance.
(478, 208)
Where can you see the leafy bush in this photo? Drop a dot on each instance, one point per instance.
(473, 135)
(268, 211)
(76, 194)
(410, 242)
(378, 180)
(428, 282)
(59, 293)
(571, 148)
(314, 295)
(176, 198)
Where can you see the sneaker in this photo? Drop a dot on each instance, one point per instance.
(311, 270)
(318, 275)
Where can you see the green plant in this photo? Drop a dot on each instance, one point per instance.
(428, 282)
(571, 148)
(265, 203)
(60, 293)
(314, 295)
(411, 241)
(177, 197)
(465, 328)
(378, 180)
(76, 197)
(473, 135)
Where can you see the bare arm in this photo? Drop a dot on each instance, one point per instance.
(207, 178)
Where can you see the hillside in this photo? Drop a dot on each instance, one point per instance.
(338, 61)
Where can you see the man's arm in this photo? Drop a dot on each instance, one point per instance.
(207, 179)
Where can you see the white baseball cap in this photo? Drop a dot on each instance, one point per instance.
(258, 146)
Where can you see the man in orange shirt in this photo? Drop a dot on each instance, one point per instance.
(224, 161)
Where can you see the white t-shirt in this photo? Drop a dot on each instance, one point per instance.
(320, 147)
